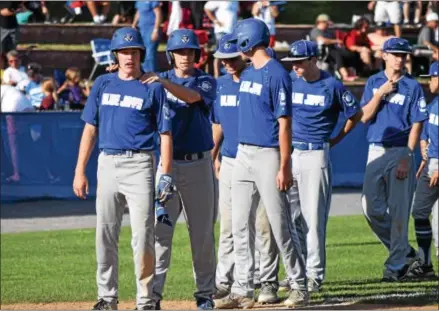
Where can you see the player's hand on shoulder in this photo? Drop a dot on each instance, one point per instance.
(284, 179)
(112, 68)
(388, 87)
(149, 77)
(80, 185)
(434, 179)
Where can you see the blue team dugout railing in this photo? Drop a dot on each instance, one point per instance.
(44, 147)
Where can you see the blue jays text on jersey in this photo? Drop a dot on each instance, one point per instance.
(397, 111)
(225, 112)
(430, 131)
(317, 106)
(264, 97)
(127, 112)
(191, 127)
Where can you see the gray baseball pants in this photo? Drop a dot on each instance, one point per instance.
(254, 178)
(195, 198)
(387, 201)
(267, 257)
(310, 196)
(125, 180)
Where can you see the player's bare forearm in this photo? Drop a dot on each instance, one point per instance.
(371, 108)
(136, 20)
(158, 18)
(424, 145)
(166, 152)
(285, 142)
(210, 15)
(347, 127)
(86, 146)
(185, 94)
(218, 138)
(415, 133)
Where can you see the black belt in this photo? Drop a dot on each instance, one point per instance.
(180, 156)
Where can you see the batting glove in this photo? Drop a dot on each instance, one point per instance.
(165, 188)
(161, 215)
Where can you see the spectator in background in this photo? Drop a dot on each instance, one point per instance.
(429, 33)
(33, 88)
(50, 98)
(15, 73)
(337, 53)
(387, 11)
(99, 17)
(148, 19)
(72, 91)
(224, 16)
(2, 67)
(417, 14)
(8, 25)
(268, 13)
(40, 13)
(126, 11)
(357, 41)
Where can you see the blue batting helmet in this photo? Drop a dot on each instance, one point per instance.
(182, 39)
(249, 33)
(127, 38)
(226, 48)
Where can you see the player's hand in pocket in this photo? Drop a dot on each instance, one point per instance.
(402, 169)
(434, 179)
(80, 186)
(284, 179)
(420, 169)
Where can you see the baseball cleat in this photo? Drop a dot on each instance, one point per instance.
(101, 304)
(205, 304)
(297, 298)
(233, 301)
(419, 270)
(284, 286)
(314, 286)
(220, 293)
(268, 293)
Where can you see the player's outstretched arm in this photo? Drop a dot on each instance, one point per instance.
(88, 140)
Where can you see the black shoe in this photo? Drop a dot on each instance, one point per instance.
(421, 271)
(205, 304)
(147, 307)
(221, 293)
(105, 305)
(157, 305)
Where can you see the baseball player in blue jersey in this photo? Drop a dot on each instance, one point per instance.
(427, 188)
(127, 114)
(190, 93)
(262, 167)
(394, 108)
(225, 129)
(318, 99)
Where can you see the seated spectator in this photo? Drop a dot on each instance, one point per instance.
(358, 42)
(99, 17)
(40, 13)
(15, 73)
(428, 36)
(32, 88)
(337, 53)
(417, 12)
(387, 12)
(74, 8)
(50, 99)
(72, 92)
(125, 13)
(267, 13)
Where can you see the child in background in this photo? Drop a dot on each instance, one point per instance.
(50, 99)
(73, 92)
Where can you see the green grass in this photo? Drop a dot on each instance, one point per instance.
(60, 266)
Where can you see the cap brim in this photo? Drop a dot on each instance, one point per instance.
(294, 59)
(221, 55)
(130, 47)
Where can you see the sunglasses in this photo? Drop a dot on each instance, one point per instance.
(11, 61)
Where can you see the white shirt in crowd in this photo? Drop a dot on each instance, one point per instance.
(12, 100)
(14, 75)
(265, 16)
(226, 12)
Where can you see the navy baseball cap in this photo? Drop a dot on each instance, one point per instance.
(300, 50)
(227, 48)
(397, 46)
(433, 72)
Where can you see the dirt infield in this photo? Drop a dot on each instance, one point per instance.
(190, 305)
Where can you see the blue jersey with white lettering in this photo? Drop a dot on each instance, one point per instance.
(128, 113)
(191, 126)
(431, 129)
(225, 112)
(264, 97)
(397, 111)
(317, 106)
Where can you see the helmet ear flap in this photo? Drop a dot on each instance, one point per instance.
(170, 57)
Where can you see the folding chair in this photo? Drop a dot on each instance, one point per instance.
(101, 54)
